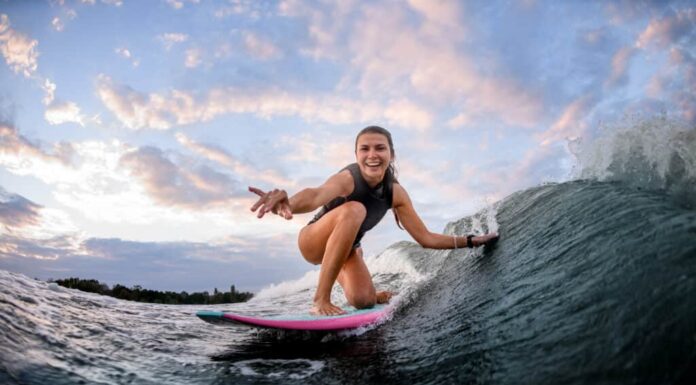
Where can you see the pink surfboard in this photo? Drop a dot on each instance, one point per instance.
(351, 320)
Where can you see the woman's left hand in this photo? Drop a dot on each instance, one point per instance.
(485, 240)
(275, 201)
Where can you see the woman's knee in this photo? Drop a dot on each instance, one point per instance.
(353, 210)
(363, 300)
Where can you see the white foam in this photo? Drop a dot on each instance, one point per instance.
(295, 369)
(392, 261)
(54, 287)
(306, 282)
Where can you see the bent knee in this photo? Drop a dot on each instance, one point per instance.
(363, 301)
(354, 209)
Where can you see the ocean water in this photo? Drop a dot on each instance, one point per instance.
(592, 282)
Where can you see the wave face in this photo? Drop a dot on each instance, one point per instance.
(593, 281)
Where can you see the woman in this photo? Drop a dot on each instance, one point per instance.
(354, 200)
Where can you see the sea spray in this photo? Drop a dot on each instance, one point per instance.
(656, 153)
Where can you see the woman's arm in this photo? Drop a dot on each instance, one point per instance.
(306, 200)
(310, 199)
(416, 228)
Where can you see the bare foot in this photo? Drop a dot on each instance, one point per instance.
(485, 240)
(326, 308)
(384, 296)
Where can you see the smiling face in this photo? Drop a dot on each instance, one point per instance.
(373, 155)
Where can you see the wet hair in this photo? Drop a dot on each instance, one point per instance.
(390, 175)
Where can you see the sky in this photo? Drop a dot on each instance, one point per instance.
(130, 130)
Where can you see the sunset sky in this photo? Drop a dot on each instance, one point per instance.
(130, 130)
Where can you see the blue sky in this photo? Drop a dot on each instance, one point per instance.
(129, 130)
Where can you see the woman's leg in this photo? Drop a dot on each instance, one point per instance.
(356, 282)
(329, 241)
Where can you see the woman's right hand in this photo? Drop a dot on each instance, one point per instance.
(275, 201)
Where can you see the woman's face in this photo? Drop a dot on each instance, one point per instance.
(373, 156)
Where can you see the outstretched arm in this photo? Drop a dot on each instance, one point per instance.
(306, 200)
(416, 228)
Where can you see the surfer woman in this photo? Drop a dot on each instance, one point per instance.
(353, 201)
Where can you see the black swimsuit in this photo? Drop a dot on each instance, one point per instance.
(376, 200)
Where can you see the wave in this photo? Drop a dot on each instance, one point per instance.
(593, 281)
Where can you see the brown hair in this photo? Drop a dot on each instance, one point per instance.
(391, 170)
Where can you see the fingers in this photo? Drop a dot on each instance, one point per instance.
(327, 309)
(275, 201)
(261, 200)
(257, 191)
(258, 203)
(285, 211)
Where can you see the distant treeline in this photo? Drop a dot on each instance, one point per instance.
(137, 293)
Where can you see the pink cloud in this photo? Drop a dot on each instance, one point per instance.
(185, 185)
(19, 51)
(667, 30)
(571, 123)
(619, 66)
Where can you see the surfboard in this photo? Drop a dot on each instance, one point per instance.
(352, 319)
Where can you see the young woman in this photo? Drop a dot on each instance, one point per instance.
(353, 201)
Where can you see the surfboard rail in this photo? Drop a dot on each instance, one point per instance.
(351, 320)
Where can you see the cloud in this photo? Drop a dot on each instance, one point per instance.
(243, 170)
(619, 67)
(116, 3)
(326, 150)
(571, 123)
(58, 112)
(193, 57)
(50, 91)
(390, 56)
(440, 17)
(249, 8)
(32, 231)
(116, 186)
(490, 182)
(169, 39)
(249, 264)
(19, 51)
(179, 185)
(137, 110)
(176, 4)
(38, 249)
(126, 54)
(668, 30)
(407, 114)
(17, 211)
(20, 155)
(58, 23)
(259, 47)
(64, 112)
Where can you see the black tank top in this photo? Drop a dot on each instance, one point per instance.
(376, 200)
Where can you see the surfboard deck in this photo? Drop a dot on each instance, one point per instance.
(353, 319)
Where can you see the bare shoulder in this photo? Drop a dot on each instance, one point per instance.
(340, 183)
(400, 196)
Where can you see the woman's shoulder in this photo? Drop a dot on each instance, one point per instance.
(341, 181)
(399, 195)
